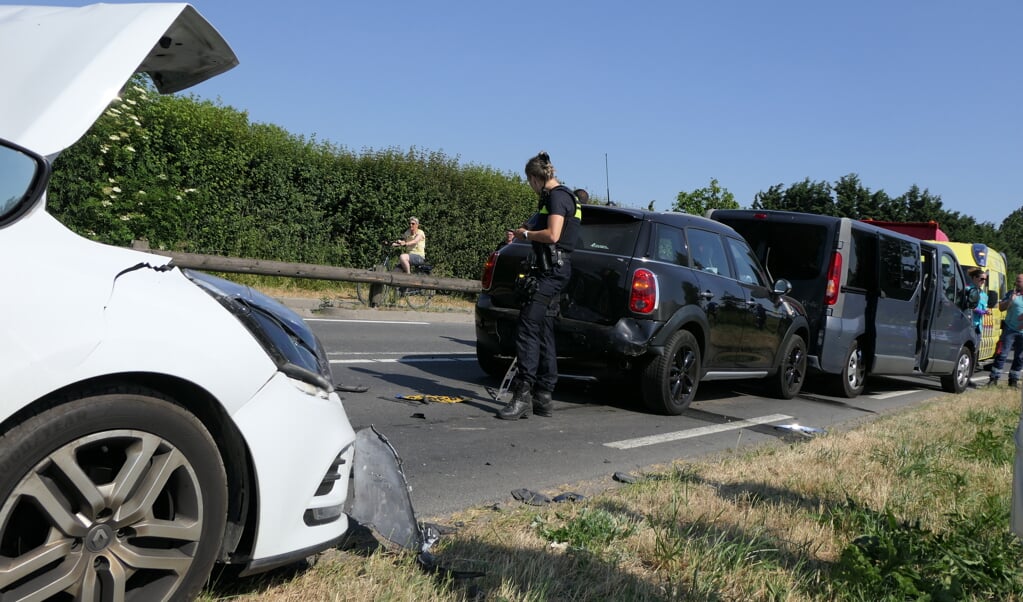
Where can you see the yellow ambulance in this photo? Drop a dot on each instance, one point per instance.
(972, 255)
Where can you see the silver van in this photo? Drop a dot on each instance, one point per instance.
(877, 301)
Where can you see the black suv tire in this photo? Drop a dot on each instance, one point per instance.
(788, 381)
(670, 380)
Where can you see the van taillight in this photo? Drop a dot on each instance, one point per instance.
(488, 271)
(643, 292)
(834, 279)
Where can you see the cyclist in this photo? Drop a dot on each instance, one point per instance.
(414, 240)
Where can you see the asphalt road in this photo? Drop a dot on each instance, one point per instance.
(458, 455)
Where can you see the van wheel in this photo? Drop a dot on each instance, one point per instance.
(788, 381)
(850, 382)
(669, 381)
(960, 377)
(116, 496)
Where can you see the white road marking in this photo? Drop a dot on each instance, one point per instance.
(696, 432)
(891, 394)
(403, 322)
(408, 358)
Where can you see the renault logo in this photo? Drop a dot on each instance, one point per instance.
(98, 538)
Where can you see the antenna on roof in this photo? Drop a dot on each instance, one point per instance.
(608, 185)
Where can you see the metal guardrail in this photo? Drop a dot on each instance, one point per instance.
(239, 265)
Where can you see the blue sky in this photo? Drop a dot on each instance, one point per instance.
(752, 93)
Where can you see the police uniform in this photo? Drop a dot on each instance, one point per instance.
(551, 269)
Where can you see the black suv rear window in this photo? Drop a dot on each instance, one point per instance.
(608, 233)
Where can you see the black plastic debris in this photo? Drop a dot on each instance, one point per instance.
(624, 477)
(569, 496)
(351, 388)
(419, 415)
(530, 497)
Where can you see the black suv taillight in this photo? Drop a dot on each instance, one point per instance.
(643, 292)
(488, 271)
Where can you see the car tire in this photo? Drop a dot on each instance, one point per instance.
(850, 382)
(960, 377)
(490, 363)
(120, 495)
(670, 380)
(788, 380)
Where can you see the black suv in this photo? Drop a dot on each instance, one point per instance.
(668, 298)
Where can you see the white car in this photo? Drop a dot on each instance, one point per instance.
(153, 420)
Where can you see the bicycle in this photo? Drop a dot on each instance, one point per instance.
(375, 294)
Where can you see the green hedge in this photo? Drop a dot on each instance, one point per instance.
(196, 176)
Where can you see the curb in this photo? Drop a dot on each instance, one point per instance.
(312, 308)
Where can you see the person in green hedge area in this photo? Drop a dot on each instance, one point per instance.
(414, 240)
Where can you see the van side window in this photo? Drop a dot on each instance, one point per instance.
(671, 245)
(708, 252)
(900, 268)
(861, 260)
(747, 270)
(948, 278)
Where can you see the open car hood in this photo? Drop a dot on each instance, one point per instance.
(60, 67)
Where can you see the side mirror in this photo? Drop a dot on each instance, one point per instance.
(23, 178)
(972, 297)
(781, 287)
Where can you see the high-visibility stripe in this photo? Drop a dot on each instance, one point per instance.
(578, 211)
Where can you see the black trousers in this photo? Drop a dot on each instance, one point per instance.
(534, 339)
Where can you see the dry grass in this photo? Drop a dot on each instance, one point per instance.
(340, 294)
(767, 524)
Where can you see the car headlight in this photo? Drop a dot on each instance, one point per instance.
(286, 338)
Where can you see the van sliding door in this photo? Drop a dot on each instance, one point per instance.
(898, 305)
(949, 325)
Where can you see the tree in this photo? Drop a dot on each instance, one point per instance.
(852, 199)
(1011, 231)
(700, 200)
(810, 197)
(773, 198)
(921, 206)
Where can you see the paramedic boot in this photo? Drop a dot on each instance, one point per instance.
(543, 405)
(520, 404)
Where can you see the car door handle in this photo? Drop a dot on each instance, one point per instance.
(707, 295)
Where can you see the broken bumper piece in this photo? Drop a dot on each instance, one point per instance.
(382, 494)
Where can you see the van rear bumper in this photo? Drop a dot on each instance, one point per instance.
(834, 343)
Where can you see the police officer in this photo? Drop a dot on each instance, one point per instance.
(553, 232)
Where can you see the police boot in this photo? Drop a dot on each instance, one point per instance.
(520, 404)
(543, 405)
